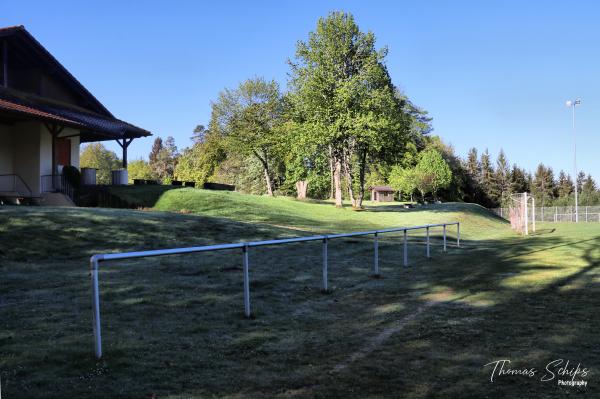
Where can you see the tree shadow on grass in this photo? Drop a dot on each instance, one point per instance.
(444, 350)
(174, 326)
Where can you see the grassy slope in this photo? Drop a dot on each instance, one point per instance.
(176, 329)
(323, 217)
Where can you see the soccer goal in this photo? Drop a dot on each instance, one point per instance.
(521, 213)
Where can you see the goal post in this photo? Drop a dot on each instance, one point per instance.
(521, 211)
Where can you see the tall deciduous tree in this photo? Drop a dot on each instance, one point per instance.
(249, 118)
(403, 180)
(343, 95)
(139, 169)
(163, 158)
(432, 173)
(198, 162)
(95, 155)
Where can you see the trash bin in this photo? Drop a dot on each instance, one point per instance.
(119, 177)
(88, 176)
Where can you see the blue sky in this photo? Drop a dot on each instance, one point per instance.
(492, 74)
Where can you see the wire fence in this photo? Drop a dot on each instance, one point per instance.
(557, 214)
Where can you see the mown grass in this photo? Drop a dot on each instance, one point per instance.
(174, 326)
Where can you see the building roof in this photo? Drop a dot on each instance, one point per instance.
(94, 127)
(382, 189)
(91, 117)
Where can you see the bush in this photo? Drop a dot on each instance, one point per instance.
(72, 175)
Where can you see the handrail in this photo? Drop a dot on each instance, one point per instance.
(245, 246)
(59, 184)
(15, 177)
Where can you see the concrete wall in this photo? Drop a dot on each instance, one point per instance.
(25, 149)
(6, 157)
(45, 151)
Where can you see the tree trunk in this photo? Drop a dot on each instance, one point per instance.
(337, 183)
(349, 181)
(265, 164)
(331, 173)
(269, 182)
(361, 179)
(301, 189)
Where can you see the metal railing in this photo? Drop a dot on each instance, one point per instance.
(14, 184)
(245, 247)
(58, 184)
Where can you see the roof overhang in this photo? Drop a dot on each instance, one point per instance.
(17, 107)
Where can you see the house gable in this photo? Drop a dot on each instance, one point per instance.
(29, 68)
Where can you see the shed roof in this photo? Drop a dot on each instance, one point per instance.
(382, 189)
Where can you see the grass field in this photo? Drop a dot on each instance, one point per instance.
(174, 326)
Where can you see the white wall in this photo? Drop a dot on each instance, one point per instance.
(26, 159)
(45, 152)
(26, 150)
(6, 157)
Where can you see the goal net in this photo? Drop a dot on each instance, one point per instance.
(521, 213)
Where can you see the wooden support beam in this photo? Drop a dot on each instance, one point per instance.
(124, 144)
(54, 131)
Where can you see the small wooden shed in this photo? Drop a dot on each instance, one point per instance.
(382, 193)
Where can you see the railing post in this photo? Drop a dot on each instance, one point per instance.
(458, 234)
(405, 250)
(247, 312)
(96, 307)
(427, 250)
(325, 287)
(376, 257)
(444, 230)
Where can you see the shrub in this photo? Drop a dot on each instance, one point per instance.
(72, 176)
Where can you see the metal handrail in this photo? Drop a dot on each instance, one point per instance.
(245, 246)
(58, 184)
(14, 185)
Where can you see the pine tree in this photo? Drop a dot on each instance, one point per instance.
(543, 185)
(565, 185)
(486, 179)
(580, 180)
(589, 193)
(157, 146)
(519, 182)
(501, 181)
(472, 166)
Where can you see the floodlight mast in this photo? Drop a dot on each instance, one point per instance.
(572, 104)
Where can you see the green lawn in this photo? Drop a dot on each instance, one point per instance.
(174, 326)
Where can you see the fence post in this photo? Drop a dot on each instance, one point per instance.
(586, 214)
(533, 209)
(376, 260)
(427, 250)
(458, 235)
(96, 307)
(405, 250)
(444, 229)
(246, 281)
(325, 288)
(555, 214)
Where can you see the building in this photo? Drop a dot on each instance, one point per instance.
(45, 115)
(382, 193)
